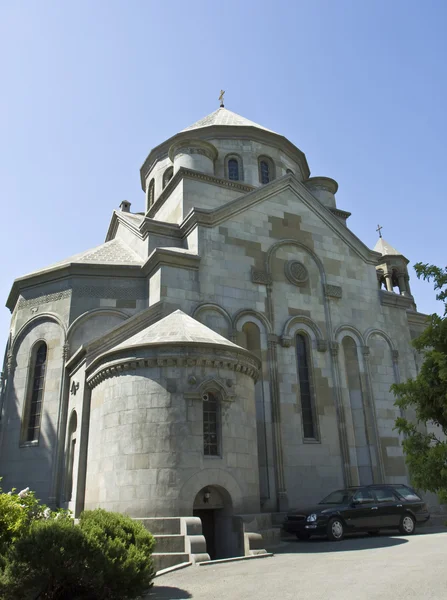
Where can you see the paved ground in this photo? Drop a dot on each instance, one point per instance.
(361, 568)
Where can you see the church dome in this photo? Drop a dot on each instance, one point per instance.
(210, 143)
(224, 117)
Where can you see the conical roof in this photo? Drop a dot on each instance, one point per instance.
(177, 328)
(223, 116)
(113, 252)
(385, 248)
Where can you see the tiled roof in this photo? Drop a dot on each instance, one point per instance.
(222, 116)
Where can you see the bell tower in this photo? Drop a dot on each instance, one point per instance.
(392, 271)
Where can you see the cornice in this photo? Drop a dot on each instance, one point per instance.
(69, 270)
(184, 173)
(179, 356)
(166, 256)
(149, 226)
(343, 214)
(146, 227)
(396, 300)
(227, 132)
(417, 318)
(211, 218)
(116, 219)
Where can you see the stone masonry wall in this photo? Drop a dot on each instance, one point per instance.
(146, 443)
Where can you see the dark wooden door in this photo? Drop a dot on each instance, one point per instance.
(208, 529)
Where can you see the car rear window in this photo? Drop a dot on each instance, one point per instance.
(407, 493)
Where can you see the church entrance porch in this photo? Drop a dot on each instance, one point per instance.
(214, 507)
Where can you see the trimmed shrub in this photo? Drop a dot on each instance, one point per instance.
(106, 556)
(51, 562)
(123, 552)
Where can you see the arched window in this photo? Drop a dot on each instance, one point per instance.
(233, 167)
(151, 193)
(210, 424)
(362, 445)
(35, 393)
(167, 176)
(70, 455)
(304, 377)
(266, 170)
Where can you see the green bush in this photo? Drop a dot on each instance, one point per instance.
(123, 552)
(51, 561)
(18, 510)
(108, 555)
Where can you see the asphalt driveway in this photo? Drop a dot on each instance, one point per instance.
(361, 568)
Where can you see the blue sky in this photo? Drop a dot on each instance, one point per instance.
(89, 87)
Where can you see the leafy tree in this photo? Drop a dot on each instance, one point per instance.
(426, 451)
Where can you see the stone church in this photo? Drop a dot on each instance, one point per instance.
(227, 351)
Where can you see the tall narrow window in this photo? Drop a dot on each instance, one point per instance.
(266, 169)
(36, 395)
(151, 192)
(70, 455)
(233, 169)
(210, 425)
(167, 176)
(307, 409)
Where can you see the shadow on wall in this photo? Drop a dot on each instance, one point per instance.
(166, 592)
(28, 466)
(315, 545)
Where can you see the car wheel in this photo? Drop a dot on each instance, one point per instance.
(303, 536)
(335, 530)
(407, 525)
(373, 533)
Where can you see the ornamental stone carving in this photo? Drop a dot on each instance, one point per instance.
(321, 345)
(334, 348)
(44, 299)
(286, 341)
(296, 272)
(261, 277)
(332, 291)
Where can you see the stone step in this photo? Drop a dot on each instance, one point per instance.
(169, 543)
(162, 525)
(163, 561)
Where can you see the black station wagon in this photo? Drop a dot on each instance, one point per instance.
(360, 509)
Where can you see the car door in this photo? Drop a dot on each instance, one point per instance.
(389, 507)
(362, 514)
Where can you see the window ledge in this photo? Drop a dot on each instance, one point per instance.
(211, 457)
(311, 441)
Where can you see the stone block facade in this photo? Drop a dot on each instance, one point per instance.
(240, 279)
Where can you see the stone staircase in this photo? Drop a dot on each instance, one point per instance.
(261, 533)
(178, 540)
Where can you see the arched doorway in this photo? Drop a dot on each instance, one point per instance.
(214, 507)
